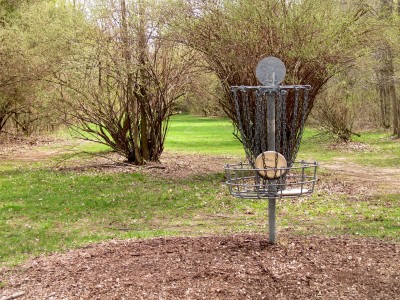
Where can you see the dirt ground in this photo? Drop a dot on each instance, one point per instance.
(215, 267)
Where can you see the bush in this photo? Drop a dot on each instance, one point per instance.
(314, 38)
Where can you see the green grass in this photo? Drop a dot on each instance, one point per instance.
(214, 136)
(43, 210)
(202, 135)
(380, 150)
(385, 151)
(378, 216)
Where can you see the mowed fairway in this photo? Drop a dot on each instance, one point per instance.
(202, 135)
(50, 203)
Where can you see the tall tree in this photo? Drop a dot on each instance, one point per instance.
(385, 74)
(395, 99)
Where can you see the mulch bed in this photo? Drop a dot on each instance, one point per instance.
(216, 267)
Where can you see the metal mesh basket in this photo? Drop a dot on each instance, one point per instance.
(245, 181)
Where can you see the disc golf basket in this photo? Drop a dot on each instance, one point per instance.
(270, 120)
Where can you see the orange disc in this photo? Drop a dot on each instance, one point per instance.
(273, 160)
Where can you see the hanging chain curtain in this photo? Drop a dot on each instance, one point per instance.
(291, 104)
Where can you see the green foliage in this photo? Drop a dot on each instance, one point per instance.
(9, 10)
(40, 36)
(339, 106)
(203, 97)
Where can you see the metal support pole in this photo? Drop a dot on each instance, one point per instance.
(272, 220)
(271, 147)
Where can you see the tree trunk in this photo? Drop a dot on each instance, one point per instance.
(144, 135)
(130, 99)
(382, 90)
(396, 113)
(144, 101)
(385, 76)
(396, 104)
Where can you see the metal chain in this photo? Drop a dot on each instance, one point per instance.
(270, 99)
(293, 127)
(278, 105)
(246, 113)
(263, 125)
(252, 124)
(248, 129)
(258, 121)
(284, 150)
(239, 122)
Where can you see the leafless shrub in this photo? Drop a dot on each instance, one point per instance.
(315, 39)
(335, 116)
(121, 91)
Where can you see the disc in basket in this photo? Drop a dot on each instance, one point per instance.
(273, 160)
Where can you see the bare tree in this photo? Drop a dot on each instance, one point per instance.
(121, 90)
(385, 74)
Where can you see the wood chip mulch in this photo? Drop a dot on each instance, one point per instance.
(216, 267)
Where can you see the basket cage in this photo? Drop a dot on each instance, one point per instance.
(291, 105)
(290, 109)
(245, 181)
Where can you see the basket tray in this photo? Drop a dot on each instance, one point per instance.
(245, 181)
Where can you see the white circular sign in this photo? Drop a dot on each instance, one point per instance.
(270, 71)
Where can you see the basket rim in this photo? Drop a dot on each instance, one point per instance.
(273, 87)
(248, 167)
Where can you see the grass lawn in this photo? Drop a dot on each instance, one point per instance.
(377, 149)
(202, 135)
(44, 210)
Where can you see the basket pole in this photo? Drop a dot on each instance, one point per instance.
(271, 147)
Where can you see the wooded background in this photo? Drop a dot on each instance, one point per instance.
(116, 70)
